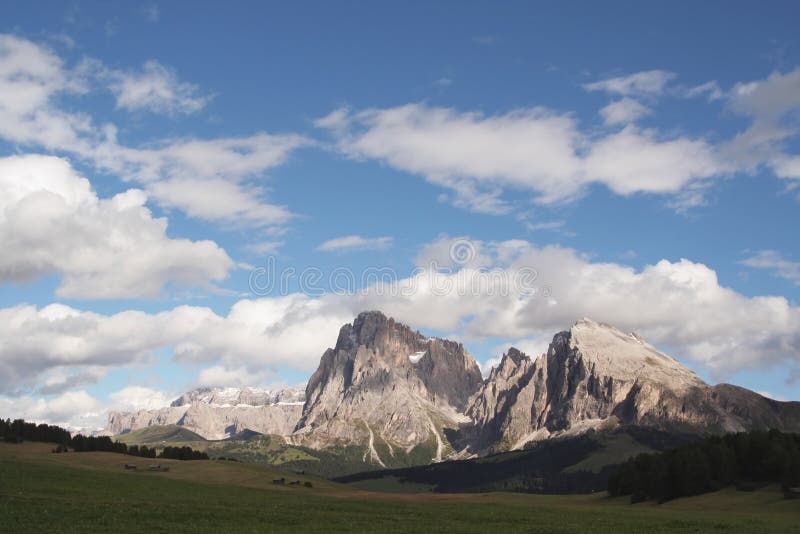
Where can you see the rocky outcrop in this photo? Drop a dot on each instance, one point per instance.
(219, 413)
(384, 382)
(595, 375)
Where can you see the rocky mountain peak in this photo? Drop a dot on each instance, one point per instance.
(625, 356)
(384, 374)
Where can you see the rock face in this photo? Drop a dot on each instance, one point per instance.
(390, 392)
(595, 375)
(383, 381)
(219, 413)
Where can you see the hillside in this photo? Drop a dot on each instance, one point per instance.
(159, 434)
(572, 464)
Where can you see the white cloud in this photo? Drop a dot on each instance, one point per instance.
(507, 290)
(207, 179)
(155, 88)
(58, 380)
(221, 376)
(289, 331)
(264, 248)
(469, 152)
(624, 111)
(52, 222)
(355, 242)
(219, 201)
(176, 172)
(479, 157)
(651, 82)
(78, 411)
(675, 304)
(133, 398)
(786, 166)
(774, 262)
(74, 410)
(30, 75)
(635, 160)
(771, 104)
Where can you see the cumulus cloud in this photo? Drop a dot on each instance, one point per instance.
(185, 174)
(771, 105)
(624, 111)
(51, 221)
(58, 380)
(509, 290)
(676, 304)
(289, 331)
(30, 75)
(478, 157)
(74, 410)
(79, 411)
(155, 88)
(635, 160)
(355, 242)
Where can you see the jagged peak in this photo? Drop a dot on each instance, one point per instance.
(514, 355)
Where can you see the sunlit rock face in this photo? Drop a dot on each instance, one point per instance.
(596, 376)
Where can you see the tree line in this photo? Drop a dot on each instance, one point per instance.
(182, 453)
(19, 430)
(745, 459)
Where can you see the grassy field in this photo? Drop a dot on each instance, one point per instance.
(73, 492)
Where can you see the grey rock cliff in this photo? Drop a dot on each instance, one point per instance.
(384, 381)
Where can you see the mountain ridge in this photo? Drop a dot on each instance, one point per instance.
(391, 392)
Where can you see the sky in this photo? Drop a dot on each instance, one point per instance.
(201, 194)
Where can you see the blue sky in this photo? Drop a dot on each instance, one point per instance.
(643, 159)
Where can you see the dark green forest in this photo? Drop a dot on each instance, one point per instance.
(19, 430)
(746, 460)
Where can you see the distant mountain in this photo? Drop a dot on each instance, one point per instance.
(387, 396)
(241, 397)
(219, 413)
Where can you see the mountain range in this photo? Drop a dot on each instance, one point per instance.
(389, 396)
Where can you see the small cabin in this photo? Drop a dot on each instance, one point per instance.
(162, 468)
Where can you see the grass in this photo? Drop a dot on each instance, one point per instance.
(158, 435)
(76, 492)
(615, 449)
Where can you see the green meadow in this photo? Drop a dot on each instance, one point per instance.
(79, 492)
